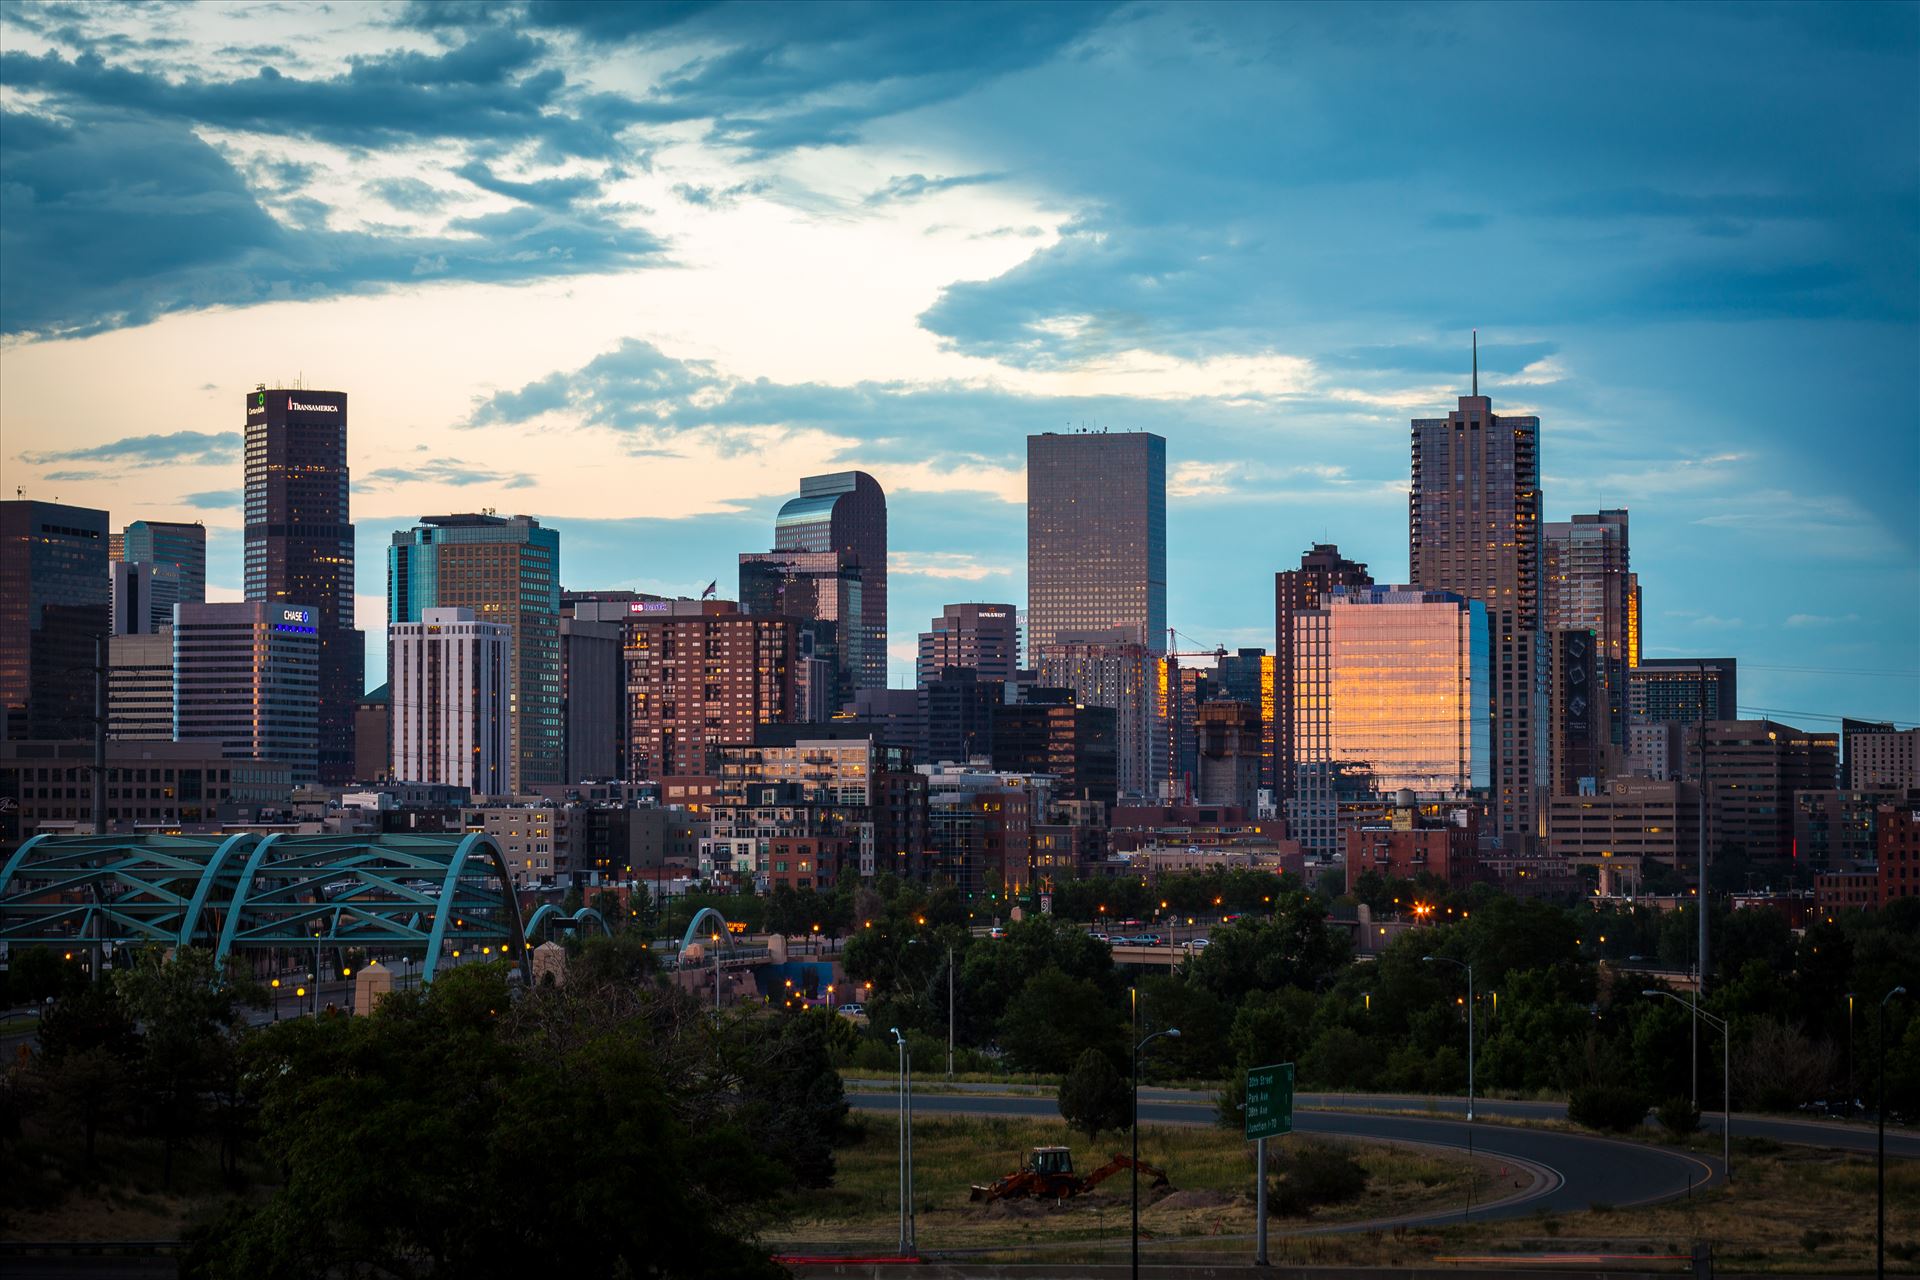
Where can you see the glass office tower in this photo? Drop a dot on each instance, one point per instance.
(1390, 694)
(183, 546)
(846, 512)
(1096, 536)
(54, 603)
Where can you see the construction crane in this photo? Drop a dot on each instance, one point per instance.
(1169, 693)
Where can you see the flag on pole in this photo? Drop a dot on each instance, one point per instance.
(711, 588)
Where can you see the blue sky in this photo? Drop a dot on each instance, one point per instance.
(635, 269)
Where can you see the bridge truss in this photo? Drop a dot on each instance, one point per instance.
(435, 898)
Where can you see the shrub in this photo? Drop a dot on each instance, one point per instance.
(1679, 1116)
(1316, 1174)
(1813, 1238)
(1618, 1108)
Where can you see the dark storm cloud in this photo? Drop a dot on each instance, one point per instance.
(1324, 168)
(118, 213)
(801, 75)
(117, 220)
(488, 88)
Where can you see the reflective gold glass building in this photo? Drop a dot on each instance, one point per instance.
(1390, 694)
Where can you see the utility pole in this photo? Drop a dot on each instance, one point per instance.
(1700, 907)
(1880, 1162)
(1704, 809)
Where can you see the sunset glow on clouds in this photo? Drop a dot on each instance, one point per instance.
(635, 269)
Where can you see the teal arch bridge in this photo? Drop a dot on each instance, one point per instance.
(438, 899)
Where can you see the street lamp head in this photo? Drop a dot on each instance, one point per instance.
(1897, 991)
(1427, 958)
(1651, 992)
(1173, 1033)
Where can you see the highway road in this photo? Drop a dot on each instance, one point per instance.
(1831, 1134)
(1573, 1170)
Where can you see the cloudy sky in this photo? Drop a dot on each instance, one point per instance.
(636, 269)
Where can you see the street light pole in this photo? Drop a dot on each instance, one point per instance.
(1469, 968)
(949, 1011)
(1726, 1076)
(1880, 1223)
(900, 1122)
(1138, 1046)
(1693, 1002)
(1853, 1093)
(906, 1140)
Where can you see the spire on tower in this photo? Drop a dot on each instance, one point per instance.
(1476, 362)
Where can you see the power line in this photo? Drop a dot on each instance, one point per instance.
(1833, 671)
(1810, 715)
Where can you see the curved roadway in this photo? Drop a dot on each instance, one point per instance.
(1569, 1171)
(1833, 1135)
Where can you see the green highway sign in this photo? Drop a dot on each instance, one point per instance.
(1270, 1101)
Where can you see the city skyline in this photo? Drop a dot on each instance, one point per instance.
(870, 298)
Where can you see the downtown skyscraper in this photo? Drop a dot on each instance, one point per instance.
(53, 607)
(299, 545)
(1096, 537)
(1589, 586)
(842, 515)
(507, 571)
(246, 674)
(1391, 686)
(1474, 530)
(184, 546)
(1321, 570)
(450, 690)
(984, 638)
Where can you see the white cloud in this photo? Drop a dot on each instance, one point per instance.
(1199, 479)
(944, 564)
(1540, 373)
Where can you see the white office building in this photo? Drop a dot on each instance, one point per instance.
(450, 687)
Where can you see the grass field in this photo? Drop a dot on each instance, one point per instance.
(1211, 1194)
(1790, 1210)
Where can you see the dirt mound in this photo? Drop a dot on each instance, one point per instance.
(1195, 1199)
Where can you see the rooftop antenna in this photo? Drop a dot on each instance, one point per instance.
(1476, 362)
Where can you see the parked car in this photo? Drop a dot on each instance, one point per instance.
(852, 1011)
(996, 932)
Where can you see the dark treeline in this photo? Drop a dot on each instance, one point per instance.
(609, 1126)
(1279, 985)
(479, 1127)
